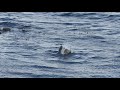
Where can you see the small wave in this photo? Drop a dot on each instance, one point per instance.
(42, 67)
(97, 50)
(24, 26)
(117, 57)
(96, 37)
(113, 33)
(8, 24)
(80, 62)
(87, 37)
(114, 16)
(6, 19)
(29, 47)
(98, 57)
(33, 75)
(20, 73)
(100, 76)
(82, 53)
(51, 53)
(103, 41)
(75, 23)
(95, 18)
(74, 29)
(69, 62)
(56, 38)
(108, 66)
(66, 14)
(70, 14)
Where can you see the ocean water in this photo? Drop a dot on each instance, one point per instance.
(30, 49)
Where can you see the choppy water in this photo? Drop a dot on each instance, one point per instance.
(30, 49)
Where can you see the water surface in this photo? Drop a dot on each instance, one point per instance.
(30, 49)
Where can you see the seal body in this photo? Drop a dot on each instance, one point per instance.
(5, 29)
(64, 51)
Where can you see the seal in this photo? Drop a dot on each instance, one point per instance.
(64, 51)
(4, 29)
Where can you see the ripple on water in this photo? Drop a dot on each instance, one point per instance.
(71, 14)
(117, 56)
(98, 57)
(100, 76)
(109, 66)
(42, 67)
(8, 24)
(96, 37)
(113, 33)
(32, 75)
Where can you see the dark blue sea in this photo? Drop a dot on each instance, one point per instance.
(30, 49)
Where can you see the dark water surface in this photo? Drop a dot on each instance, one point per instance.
(30, 49)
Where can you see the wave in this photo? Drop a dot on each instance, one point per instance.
(33, 75)
(109, 66)
(8, 24)
(71, 14)
(96, 37)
